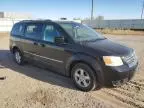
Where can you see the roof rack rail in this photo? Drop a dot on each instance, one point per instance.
(47, 20)
(37, 20)
(27, 20)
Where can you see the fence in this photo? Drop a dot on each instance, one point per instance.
(6, 24)
(116, 24)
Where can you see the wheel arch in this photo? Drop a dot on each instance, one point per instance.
(16, 48)
(75, 62)
(92, 62)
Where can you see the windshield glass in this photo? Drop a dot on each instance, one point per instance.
(80, 32)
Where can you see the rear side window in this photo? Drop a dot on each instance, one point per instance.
(34, 31)
(18, 30)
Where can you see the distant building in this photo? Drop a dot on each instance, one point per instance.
(1, 14)
(7, 19)
(14, 15)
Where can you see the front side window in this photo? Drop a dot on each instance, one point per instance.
(34, 31)
(50, 32)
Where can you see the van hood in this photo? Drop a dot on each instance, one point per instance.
(106, 47)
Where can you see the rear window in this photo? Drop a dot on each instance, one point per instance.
(34, 31)
(17, 30)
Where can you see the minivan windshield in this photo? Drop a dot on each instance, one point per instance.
(80, 32)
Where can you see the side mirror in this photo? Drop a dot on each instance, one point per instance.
(59, 40)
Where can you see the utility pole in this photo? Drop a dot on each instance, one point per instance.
(92, 11)
(142, 10)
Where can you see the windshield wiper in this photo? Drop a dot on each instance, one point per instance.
(101, 38)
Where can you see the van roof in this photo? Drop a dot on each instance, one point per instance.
(47, 20)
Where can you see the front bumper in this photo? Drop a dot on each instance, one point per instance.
(118, 75)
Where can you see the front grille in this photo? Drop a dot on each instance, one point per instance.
(131, 59)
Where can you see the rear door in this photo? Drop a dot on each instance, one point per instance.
(33, 34)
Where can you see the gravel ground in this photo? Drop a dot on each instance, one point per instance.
(32, 87)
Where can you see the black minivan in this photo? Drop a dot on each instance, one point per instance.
(75, 50)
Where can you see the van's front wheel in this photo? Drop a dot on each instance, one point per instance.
(84, 77)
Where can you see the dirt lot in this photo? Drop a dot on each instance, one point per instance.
(32, 87)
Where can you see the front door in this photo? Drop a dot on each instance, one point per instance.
(52, 54)
(33, 34)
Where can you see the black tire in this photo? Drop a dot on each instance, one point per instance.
(17, 52)
(92, 83)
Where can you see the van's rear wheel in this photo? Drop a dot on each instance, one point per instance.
(84, 77)
(18, 57)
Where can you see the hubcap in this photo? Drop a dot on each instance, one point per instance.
(82, 78)
(17, 57)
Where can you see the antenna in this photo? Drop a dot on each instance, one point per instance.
(92, 11)
(142, 10)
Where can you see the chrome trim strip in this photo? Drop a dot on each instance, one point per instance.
(45, 57)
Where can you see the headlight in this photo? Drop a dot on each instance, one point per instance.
(112, 61)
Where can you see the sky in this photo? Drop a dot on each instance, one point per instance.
(55, 9)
